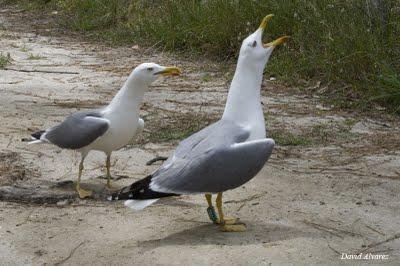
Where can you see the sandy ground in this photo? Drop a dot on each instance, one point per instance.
(331, 187)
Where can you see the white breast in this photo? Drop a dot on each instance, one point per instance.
(122, 128)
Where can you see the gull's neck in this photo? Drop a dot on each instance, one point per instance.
(243, 105)
(129, 97)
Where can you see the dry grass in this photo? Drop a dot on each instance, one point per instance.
(12, 168)
(71, 103)
(173, 126)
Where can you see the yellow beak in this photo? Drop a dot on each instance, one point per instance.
(169, 71)
(265, 20)
(277, 42)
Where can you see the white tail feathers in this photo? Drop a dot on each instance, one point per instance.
(35, 142)
(138, 205)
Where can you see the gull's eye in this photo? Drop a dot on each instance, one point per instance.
(150, 69)
(254, 44)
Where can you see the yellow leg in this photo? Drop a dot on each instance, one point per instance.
(228, 224)
(108, 165)
(82, 193)
(210, 210)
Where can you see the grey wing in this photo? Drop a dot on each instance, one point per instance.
(215, 169)
(219, 133)
(78, 130)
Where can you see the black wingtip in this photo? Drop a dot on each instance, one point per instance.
(140, 190)
(38, 134)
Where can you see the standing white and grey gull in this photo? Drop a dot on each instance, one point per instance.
(225, 154)
(109, 128)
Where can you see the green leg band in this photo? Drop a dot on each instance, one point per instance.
(212, 214)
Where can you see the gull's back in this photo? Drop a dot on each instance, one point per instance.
(212, 161)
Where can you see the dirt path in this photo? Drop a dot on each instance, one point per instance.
(331, 186)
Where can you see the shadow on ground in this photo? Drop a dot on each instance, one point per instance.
(209, 234)
(47, 192)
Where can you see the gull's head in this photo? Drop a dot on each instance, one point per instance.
(147, 73)
(254, 50)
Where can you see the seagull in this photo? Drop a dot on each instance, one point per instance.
(109, 128)
(225, 154)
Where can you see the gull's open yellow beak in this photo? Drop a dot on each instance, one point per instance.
(265, 20)
(169, 71)
(277, 42)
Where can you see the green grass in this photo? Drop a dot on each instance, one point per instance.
(4, 60)
(175, 126)
(35, 57)
(389, 91)
(284, 138)
(168, 134)
(317, 134)
(349, 122)
(332, 132)
(24, 49)
(351, 46)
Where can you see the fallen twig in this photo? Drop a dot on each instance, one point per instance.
(114, 177)
(9, 142)
(156, 159)
(322, 228)
(334, 250)
(241, 206)
(245, 199)
(41, 71)
(26, 219)
(329, 228)
(373, 229)
(373, 245)
(70, 254)
(13, 82)
(192, 103)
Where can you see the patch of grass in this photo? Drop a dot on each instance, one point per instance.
(317, 134)
(12, 168)
(285, 138)
(332, 132)
(170, 133)
(174, 127)
(35, 57)
(350, 122)
(389, 90)
(344, 44)
(78, 104)
(321, 133)
(206, 78)
(4, 60)
(24, 49)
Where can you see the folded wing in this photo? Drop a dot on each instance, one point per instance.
(77, 131)
(215, 160)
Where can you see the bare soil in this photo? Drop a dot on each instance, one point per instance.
(331, 187)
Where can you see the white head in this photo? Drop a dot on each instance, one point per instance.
(243, 104)
(147, 73)
(256, 53)
(133, 90)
